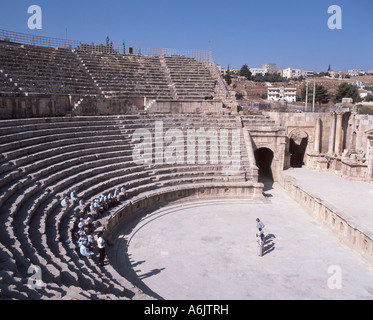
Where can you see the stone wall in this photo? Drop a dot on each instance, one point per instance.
(34, 107)
(103, 107)
(177, 107)
(354, 128)
(353, 236)
(338, 141)
(60, 105)
(305, 122)
(358, 126)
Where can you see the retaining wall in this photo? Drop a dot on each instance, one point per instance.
(337, 221)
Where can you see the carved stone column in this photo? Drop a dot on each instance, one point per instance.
(316, 143)
(338, 134)
(370, 157)
(332, 133)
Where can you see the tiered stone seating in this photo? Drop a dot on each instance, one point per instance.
(42, 160)
(256, 121)
(192, 79)
(127, 76)
(6, 85)
(42, 70)
(28, 69)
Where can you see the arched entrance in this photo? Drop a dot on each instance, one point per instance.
(263, 159)
(297, 148)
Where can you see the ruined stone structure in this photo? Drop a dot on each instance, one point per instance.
(44, 81)
(338, 141)
(163, 126)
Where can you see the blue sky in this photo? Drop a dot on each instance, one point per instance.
(291, 33)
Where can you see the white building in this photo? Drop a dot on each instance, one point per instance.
(270, 67)
(360, 84)
(337, 75)
(296, 73)
(266, 68)
(307, 73)
(282, 94)
(255, 71)
(354, 72)
(291, 73)
(364, 93)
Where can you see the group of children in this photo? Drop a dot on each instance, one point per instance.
(83, 232)
(88, 241)
(97, 205)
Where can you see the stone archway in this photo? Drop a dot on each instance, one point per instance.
(264, 160)
(298, 142)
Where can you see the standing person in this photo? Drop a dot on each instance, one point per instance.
(259, 235)
(261, 243)
(101, 248)
(259, 224)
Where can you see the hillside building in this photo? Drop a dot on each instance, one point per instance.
(282, 94)
(289, 73)
(266, 68)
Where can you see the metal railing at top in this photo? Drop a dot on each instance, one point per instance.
(42, 41)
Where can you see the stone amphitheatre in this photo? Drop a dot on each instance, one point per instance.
(197, 173)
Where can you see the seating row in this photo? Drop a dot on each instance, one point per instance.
(43, 160)
(44, 70)
(191, 79)
(31, 69)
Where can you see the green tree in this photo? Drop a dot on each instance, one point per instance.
(268, 77)
(321, 94)
(368, 98)
(227, 77)
(245, 72)
(364, 110)
(347, 90)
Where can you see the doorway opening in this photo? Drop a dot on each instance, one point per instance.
(297, 148)
(263, 159)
